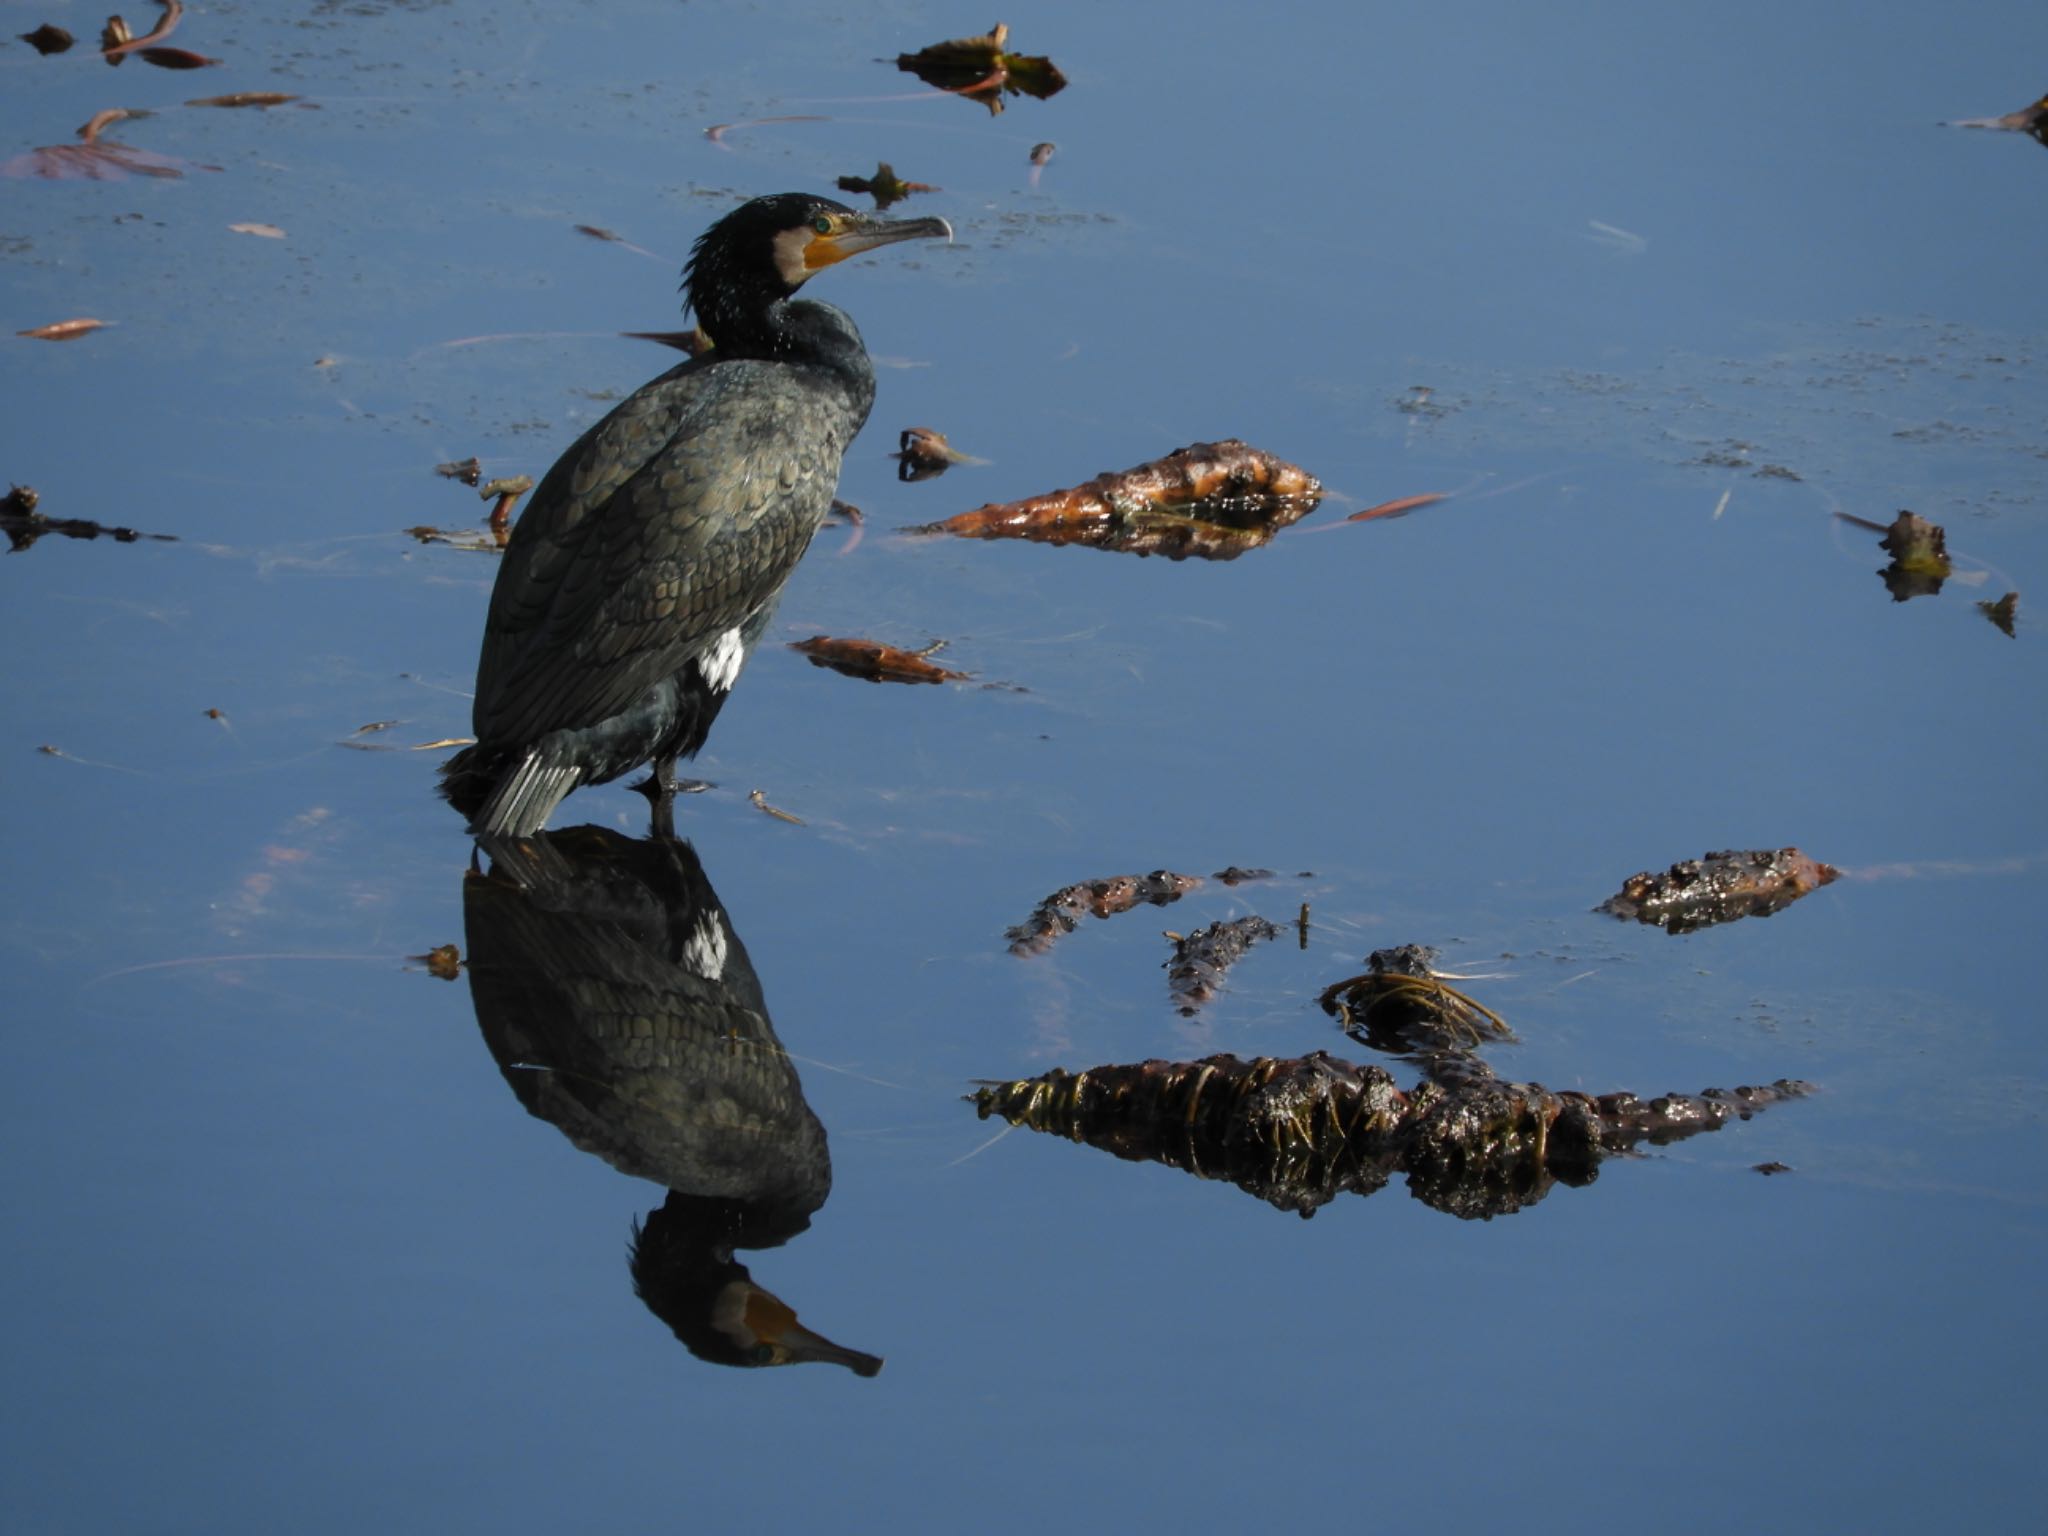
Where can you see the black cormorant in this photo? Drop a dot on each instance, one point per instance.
(650, 559)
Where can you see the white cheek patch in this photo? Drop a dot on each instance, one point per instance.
(789, 255)
(721, 662)
(704, 951)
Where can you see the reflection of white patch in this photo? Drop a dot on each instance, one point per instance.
(704, 950)
(720, 664)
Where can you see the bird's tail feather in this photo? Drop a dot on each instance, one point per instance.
(525, 798)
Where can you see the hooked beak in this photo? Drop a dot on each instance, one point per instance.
(866, 231)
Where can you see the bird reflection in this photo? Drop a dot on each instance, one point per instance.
(622, 1008)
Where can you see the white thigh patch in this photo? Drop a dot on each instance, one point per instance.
(704, 950)
(721, 661)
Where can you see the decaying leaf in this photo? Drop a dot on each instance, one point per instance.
(1299, 1132)
(1401, 1005)
(97, 159)
(1040, 153)
(24, 524)
(2004, 612)
(980, 69)
(1213, 500)
(266, 231)
(244, 99)
(1920, 563)
(925, 454)
(47, 39)
(117, 41)
(1194, 973)
(1697, 893)
(1061, 912)
(1236, 876)
(457, 538)
(2032, 121)
(875, 662)
(469, 471)
(759, 801)
(62, 330)
(443, 961)
(885, 186)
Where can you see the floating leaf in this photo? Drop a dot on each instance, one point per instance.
(2004, 612)
(1697, 893)
(1040, 153)
(468, 471)
(443, 961)
(62, 330)
(925, 454)
(117, 42)
(980, 69)
(175, 58)
(1400, 507)
(1213, 500)
(267, 231)
(885, 186)
(1919, 551)
(759, 801)
(47, 39)
(875, 662)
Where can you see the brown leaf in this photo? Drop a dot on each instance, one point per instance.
(47, 39)
(875, 662)
(62, 330)
(2004, 612)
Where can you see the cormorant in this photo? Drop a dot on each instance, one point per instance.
(651, 557)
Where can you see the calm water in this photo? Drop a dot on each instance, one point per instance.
(290, 1255)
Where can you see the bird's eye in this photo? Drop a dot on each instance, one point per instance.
(822, 224)
(764, 1354)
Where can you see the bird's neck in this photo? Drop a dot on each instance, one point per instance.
(786, 330)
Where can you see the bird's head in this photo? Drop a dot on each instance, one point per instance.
(763, 251)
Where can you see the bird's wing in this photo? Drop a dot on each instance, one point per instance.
(670, 522)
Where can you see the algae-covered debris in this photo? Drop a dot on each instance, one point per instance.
(1061, 912)
(1402, 1006)
(1211, 500)
(1195, 971)
(1920, 562)
(23, 524)
(1697, 893)
(1298, 1132)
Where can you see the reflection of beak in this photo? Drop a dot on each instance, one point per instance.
(772, 1321)
(803, 1344)
(864, 232)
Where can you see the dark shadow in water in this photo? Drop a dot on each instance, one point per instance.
(622, 1009)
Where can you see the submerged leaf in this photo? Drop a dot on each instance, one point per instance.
(176, 58)
(244, 99)
(96, 159)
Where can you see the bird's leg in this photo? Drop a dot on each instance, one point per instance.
(660, 789)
